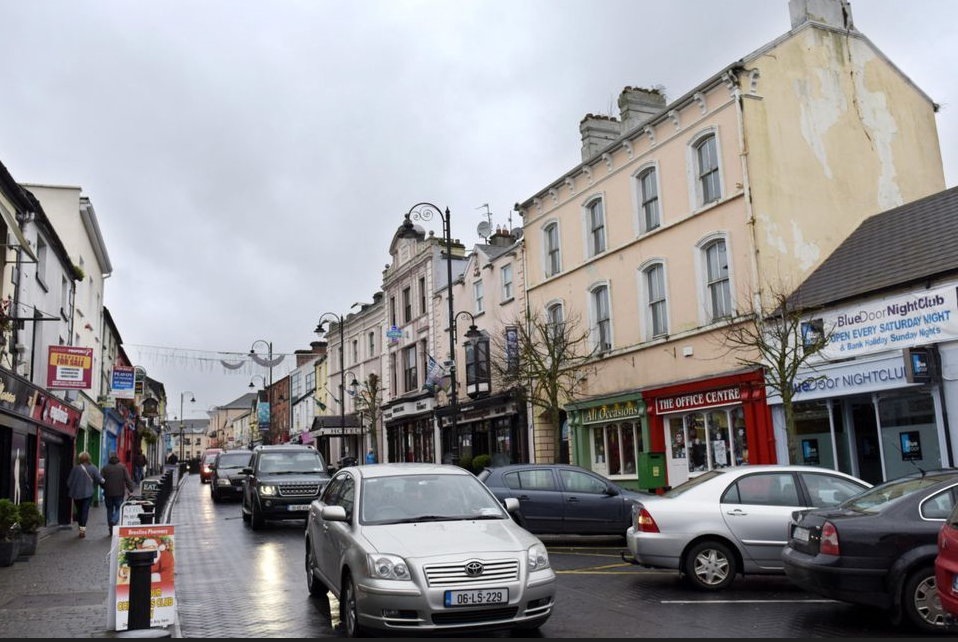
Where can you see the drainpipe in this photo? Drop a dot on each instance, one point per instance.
(747, 192)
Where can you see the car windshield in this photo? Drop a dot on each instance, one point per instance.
(307, 461)
(426, 498)
(692, 483)
(880, 497)
(233, 460)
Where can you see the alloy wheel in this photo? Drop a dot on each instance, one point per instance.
(928, 602)
(711, 567)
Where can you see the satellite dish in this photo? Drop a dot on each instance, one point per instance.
(516, 233)
(485, 229)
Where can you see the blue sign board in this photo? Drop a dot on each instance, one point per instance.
(262, 415)
(122, 382)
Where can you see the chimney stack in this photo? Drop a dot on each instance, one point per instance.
(597, 132)
(832, 13)
(637, 105)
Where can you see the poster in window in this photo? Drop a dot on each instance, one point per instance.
(810, 451)
(910, 445)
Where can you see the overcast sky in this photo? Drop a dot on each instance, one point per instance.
(250, 161)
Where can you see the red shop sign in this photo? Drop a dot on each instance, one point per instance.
(59, 416)
(695, 400)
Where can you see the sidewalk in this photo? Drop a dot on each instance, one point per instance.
(61, 591)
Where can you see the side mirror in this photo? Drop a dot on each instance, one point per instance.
(247, 471)
(512, 505)
(611, 491)
(334, 514)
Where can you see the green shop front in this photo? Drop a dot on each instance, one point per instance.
(609, 436)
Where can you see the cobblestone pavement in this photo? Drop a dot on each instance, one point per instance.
(61, 591)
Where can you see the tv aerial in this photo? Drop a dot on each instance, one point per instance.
(485, 227)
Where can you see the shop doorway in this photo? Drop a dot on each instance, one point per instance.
(866, 440)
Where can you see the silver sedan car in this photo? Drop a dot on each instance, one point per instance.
(730, 521)
(422, 548)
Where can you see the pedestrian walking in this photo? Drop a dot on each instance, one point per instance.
(370, 457)
(116, 481)
(139, 467)
(81, 484)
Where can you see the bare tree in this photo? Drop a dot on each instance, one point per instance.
(545, 361)
(780, 338)
(369, 399)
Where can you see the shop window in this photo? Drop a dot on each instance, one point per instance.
(619, 443)
(709, 440)
(739, 436)
(577, 482)
(812, 441)
(598, 446)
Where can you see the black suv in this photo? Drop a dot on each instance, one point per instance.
(281, 483)
(227, 476)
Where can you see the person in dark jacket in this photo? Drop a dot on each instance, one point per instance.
(81, 484)
(117, 481)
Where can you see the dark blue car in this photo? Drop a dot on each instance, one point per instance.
(559, 499)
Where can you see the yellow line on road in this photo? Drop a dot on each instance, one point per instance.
(618, 557)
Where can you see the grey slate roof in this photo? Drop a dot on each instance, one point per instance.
(913, 243)
(494, 251)
(242, 402)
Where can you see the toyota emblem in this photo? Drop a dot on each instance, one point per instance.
(474, 569)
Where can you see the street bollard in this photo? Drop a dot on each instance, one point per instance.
(139, 563)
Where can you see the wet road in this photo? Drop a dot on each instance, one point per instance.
(233, 582)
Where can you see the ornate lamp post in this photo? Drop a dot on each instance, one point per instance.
(321, 330)
(182, 425)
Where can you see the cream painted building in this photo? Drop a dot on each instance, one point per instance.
(684, 214)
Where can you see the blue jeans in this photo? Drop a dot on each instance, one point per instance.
(82, 510)
(113, 509)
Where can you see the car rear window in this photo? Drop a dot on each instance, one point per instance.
(938, 506)
(306, 461)
(233, 460)
(880, 497)
(692, 483)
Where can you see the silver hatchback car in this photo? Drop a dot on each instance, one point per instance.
(730, 521)
(424, 547)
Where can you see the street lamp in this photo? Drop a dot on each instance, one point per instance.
(342, 376)
(269, 360)
(425, 212)
(182, 425)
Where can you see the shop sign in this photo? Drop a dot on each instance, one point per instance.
(150, 407)
(900, 321)
(54, 414)
(612, 411)
(696, 400)
(394, 334)
(910, 445)
(69, 368)
(262, 415)
(861, 376)
(121, 386)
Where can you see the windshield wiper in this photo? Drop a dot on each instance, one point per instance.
(426, 518)
(483, 517)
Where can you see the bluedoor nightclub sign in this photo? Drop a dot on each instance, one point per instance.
(916, 318)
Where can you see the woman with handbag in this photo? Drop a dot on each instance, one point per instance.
(81, 484)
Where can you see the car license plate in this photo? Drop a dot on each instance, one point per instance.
(477, 597)
(801, 534)
(298, 507)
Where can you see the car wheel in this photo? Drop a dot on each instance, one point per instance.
(315, 586)
(921, 601)
(710, 566)
(216, 498)
(348, 613)
(255, 519)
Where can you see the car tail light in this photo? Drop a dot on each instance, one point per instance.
(645, 523)
(829, 543)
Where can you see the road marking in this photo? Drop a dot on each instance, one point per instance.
(748, 601)
(552, 552)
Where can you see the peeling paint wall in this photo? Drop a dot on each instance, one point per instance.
(834, 134)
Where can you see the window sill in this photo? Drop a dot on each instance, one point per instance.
(509, 300)
(42, 284)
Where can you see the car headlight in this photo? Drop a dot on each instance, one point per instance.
(222, 482)
(538, 558)
(267, 490)
(387, 567)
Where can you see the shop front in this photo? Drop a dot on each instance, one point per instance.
(411, 430)
(703, 425)
(495, 426)
(37, 440)
(863, 417)
(609, 435)
(336, 438)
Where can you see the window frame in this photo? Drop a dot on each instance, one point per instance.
(407, 304)
(595, 327)
(478, 294)
(595, 235)
(639, 201)
(551, 255)
(648, 313)
(706, 317)
(697, 197)
(506, 271)
(410, 368)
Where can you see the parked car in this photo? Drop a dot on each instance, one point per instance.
(563, 499)
(730, 521)
(281, 482)
(878, 549)
(206, 463)
(414, 548)
(946, 566)
(228, 475)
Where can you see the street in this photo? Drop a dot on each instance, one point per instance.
(234, 582)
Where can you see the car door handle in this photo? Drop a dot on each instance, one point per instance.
(573, 499)
(523, 498)
(738, 512)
